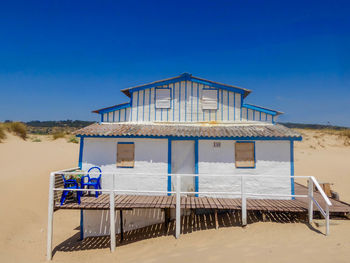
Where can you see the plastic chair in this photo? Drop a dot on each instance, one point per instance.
(94, 182)
(69, 184)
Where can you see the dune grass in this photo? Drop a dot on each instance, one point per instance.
(18, 128)
(2, 134)
(73, 139)
(58, 134)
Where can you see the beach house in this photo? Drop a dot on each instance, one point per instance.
(186, 125)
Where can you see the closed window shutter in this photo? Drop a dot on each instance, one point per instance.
(162, 98)
(245, 156)
(125, 155)
(210, 99)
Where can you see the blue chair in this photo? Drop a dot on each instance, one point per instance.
(94, 182)
(69, 184)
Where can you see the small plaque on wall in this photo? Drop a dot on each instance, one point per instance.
(217, 144)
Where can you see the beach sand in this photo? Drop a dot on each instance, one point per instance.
(25, 168)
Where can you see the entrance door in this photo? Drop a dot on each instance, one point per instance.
(183, 162)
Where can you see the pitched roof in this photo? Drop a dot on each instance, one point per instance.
(237, 131)
(183, 77)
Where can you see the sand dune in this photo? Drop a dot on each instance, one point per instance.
(25, 167)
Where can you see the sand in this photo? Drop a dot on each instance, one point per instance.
(25, 167)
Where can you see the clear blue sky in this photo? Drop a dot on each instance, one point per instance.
(63, 59)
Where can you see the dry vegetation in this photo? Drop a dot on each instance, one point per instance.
(17, 128)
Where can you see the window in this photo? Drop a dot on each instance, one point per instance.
(125, 154)
(210, 99)
(162, 98)
(245, 154)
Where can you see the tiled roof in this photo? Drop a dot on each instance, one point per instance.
(189, 130)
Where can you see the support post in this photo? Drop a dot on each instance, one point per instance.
(216, 219)
(178, 208)
(121, 226)
(50, 217)
(244, 202)
(327, 219)
(311, 202)
(112, 217)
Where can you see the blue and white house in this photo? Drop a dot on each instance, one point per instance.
(186, 125)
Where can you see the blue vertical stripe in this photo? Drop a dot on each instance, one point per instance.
(196, 170)
(173, 101)
(247, 114)
(155, 109)
(167, 110)
(81, 224)
(137, 112)
(292, 167)
(253, 115)
(228, 105)
(125, 114)
(101, 117)
(169, 166)
(197, 102)
(217, 108)
(143, 106)
(234, 106)
(186, 100)
(81, 149)
(149, 107)
(114, 116)
(119, 115)
(180, 101)
(202, 103)
(260, 116)
(240, 109)
(191, 100)
(222, 104)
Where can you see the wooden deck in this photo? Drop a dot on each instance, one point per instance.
(141, 201)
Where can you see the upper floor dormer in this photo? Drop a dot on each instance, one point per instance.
(186, 98)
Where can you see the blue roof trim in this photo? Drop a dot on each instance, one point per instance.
(197, 138)
(261, 109)
(114, 108)
(189, 77)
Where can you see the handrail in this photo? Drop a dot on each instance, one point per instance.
(244, 196)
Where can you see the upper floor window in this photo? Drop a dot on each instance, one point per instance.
(163, 98)
(210, 99)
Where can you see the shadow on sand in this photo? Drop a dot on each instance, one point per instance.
(189, 224)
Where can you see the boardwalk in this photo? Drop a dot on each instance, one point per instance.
(299, 205)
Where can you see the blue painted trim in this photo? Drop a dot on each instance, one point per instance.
(196, 171)
(180, 101)
(125, 114)
(252, 167)
(228, 105)
(131, 109)
(137, 108)
(252, 107)
(116, 107)
(273, 119)
(81, 149)
(184, 77)
(119, 115)
(258, 138)
(260, 116)
(203, 87)
(222, 104)
(149, 108)
(126, 143)
(81, 224)
(292, 167)
(143, 106)
(191, 100)
(241, 106)
(185, 100)
(101, 117)
(197, 102)
(107, 117)
(253, 115)
(173, 101)
(247, 114)
(169, 166)
(167, 110)
(234, 106)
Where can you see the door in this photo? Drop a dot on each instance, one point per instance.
(183, 162)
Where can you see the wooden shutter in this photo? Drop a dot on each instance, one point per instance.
(162, 98)
(125, 155)
(245, 155)
(210, 99)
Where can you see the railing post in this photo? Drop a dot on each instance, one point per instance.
(327, 219)
(50, 217)
(311, 202)
(244, 202)
(178, 208)
(112, 216)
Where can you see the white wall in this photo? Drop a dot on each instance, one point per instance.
(272, 158)
(96, 222)
(151, 156)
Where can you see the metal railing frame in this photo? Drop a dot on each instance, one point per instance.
(243, 194)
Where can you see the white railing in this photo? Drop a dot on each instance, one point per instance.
(244, 195)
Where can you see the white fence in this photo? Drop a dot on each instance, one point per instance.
(243, 194)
